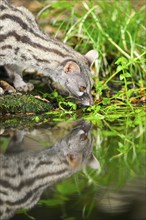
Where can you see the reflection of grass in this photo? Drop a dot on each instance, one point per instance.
(120, 148)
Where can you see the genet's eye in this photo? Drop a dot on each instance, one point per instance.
(83, 137)
(82, 88)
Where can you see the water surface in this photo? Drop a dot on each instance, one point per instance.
(106, 163)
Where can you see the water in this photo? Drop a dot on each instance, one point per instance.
(109, 185)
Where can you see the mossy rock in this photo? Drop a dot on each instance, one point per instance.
(18, 103)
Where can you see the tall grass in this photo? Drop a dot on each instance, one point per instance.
(114, 28)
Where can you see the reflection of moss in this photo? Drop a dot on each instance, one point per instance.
(22, 121)
(13, 122)
(22, 104)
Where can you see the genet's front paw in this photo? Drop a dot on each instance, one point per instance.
(25, 87)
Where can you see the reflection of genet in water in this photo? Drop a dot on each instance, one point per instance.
(25, 175)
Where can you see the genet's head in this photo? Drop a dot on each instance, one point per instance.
(76, 78)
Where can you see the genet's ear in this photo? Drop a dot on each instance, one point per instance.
(94, 163)
(91, 56)
(74, 160)
(71, 67)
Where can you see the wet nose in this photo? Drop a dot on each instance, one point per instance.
(88, 102)
(91, 102)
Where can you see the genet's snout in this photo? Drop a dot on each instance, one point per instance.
(87, 101)
(91, 102)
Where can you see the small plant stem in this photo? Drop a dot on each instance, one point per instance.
(43, 9)
(119, 48)
(85, 17)
(122, 136)
(126, 93)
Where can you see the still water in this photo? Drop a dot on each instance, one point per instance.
(72, 171)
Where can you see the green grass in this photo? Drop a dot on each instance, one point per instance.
(116, 30)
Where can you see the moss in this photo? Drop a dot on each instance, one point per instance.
(17, 103)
